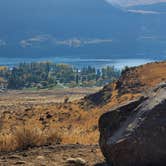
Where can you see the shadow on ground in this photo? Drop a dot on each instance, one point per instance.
(102, 164)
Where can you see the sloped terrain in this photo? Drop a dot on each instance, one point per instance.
(133, 82)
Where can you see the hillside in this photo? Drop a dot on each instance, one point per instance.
(134, 81)
(41, 29)
(76, 121)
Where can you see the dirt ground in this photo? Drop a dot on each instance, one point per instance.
(54, 155)
(21, 99)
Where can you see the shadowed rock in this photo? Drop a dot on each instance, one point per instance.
(134, 134)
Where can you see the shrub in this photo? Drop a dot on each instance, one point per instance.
(27, 137)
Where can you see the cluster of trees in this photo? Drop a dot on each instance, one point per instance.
(47, 75)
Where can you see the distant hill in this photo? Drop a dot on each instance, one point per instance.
(79, 29)
(159, 7)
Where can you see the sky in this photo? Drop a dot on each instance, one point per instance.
(134, 2)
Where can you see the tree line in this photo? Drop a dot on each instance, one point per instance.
(48, 74)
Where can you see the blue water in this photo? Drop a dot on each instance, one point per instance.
(78, 62)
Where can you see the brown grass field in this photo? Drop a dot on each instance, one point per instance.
(34, 118)
(16, 133)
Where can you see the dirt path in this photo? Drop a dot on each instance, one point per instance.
(53, 155)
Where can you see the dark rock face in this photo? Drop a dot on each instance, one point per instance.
(134, 134)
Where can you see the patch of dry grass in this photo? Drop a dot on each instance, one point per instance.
(28, 136)
(8, 142)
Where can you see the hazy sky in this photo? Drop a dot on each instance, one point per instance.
(134, 2)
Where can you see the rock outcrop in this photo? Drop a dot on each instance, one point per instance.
(134, 134)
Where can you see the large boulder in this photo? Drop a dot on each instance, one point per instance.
(134, 134)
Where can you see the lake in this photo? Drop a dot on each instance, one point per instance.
(78, 62)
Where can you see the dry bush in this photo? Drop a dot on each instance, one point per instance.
(7, 142)
(29, 136)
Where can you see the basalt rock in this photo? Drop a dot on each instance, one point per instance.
(134, 134)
